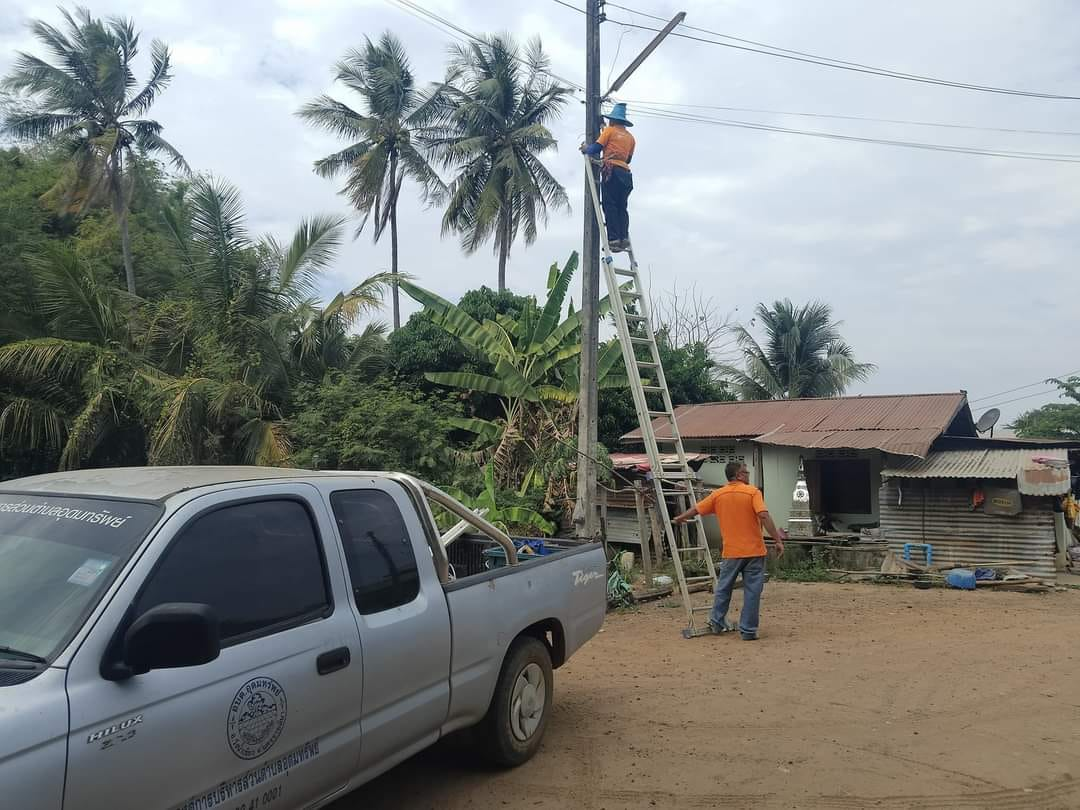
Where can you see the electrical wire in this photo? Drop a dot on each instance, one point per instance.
(752, 46)
(1023, 387)
(420, 12)
(1051, 157)
(901, 121)
(570, 6)
(615, 59)
(1026, 396)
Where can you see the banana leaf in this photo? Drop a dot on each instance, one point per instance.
(452, 318)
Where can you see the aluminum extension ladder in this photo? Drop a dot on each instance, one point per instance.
(646, 374)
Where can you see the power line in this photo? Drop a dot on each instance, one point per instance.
(1052, 157)
(570, 6)
(456, 31)
(1022, 387)
(1026, 396)
(902, 121)
(752, 46)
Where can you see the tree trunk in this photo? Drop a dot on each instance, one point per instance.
(504, 248)
(393, 241)
(120, 209)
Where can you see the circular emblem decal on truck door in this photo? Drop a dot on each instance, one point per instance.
(256, 717)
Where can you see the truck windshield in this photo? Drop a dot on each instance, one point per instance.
(58, 554)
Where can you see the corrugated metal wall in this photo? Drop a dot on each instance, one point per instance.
(938, 511)
(622, 526)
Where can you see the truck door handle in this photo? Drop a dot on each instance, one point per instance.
(333, 661)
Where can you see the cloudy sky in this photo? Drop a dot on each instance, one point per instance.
(948, 271)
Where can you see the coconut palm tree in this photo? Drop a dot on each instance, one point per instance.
(803, 355)
(382, 138)
(495, 107)
(96, 374)
(87, 101)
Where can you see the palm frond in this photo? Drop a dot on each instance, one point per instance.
(315, 244)
(88, 429)
(158, 81)
(32, 423)
(150, 142)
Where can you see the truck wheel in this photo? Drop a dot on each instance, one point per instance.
(514, 724)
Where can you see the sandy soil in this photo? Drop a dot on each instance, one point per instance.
(855, 696)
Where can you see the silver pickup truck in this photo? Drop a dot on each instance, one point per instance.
(242, 638)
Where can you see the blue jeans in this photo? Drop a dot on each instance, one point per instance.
(753, 577)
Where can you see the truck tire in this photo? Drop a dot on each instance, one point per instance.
(513, 727)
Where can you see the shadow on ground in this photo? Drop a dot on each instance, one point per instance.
(452, 766)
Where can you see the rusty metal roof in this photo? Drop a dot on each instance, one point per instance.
(1033, 477)
(904, 424)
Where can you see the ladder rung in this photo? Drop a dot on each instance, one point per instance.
(652, 389)
(622, 271)
(682, 549)
(640, 340)
(646, 364)
(694, 580)
(629, 294)
(702, 609)
(668, 414)
(631, 317)
(671, 439)
(676, 475)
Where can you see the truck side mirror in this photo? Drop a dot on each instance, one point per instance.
(176, 634)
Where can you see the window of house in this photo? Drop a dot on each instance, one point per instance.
(378, 550)
(845, 487)
(258, 565)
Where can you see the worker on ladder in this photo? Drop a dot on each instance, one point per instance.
(617, 146)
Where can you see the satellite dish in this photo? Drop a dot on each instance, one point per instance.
(987, 421)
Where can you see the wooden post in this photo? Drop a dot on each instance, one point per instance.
(657, 532)
(643, 532)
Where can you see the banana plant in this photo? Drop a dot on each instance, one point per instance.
(535, 359)
(503, 516)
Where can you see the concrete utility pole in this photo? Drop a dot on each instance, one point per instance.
(586, 509)
(586, 515)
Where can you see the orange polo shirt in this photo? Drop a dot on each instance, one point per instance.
(737, 507)
(618, 146)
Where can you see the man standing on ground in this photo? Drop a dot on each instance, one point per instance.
(740, 508)
(616, 182)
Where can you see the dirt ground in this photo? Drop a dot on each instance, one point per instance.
(855, 696)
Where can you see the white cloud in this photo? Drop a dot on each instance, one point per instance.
(199, 58)
(298, 31)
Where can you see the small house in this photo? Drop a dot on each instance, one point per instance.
(912, 466)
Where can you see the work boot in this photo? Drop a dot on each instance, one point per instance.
(617, 245)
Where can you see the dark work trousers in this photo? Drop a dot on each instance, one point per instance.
(615, 191)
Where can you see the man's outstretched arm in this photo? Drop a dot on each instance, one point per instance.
(685, 516)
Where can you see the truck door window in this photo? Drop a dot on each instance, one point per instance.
(378, 550)
(258, 564)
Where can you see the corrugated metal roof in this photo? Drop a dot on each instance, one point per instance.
(1032, 477)
(905, 424)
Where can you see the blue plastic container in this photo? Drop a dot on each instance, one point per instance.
(962, 578)
(529, 549)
